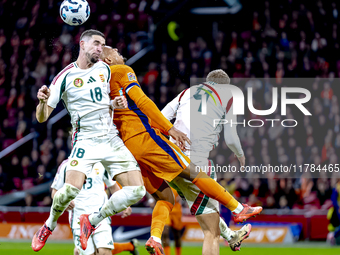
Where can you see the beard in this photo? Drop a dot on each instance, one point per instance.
(93, 59)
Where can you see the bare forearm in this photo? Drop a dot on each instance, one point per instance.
(43, 112)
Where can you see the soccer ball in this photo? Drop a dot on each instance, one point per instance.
(74, 12)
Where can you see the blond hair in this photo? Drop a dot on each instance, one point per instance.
(218, 76)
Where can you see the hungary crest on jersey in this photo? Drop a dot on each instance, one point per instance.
(78, 82)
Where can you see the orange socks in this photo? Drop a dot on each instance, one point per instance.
(159, 216)
(215, 191)
(120, 247)
(167, 250)
(178, 250)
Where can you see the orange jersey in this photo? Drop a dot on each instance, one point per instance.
(141, 110)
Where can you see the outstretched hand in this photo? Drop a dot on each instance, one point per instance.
(119, 102)
(180, 137)
(43, 94)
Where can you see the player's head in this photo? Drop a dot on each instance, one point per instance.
(218, 76)
(92, 43)
(111, 56)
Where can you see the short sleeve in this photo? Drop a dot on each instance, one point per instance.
(57, 87)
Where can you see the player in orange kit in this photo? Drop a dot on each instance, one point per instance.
(174, 222)
(159, 158)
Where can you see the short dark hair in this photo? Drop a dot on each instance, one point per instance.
(90, 32)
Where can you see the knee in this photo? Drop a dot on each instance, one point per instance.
(189, 173)
(136, 193)
(169, 198)
(212, 235)
(71, 191)
(66, 194)
(164, 194)
(140, 192)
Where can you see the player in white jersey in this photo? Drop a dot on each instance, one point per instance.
(90, 199)
(84, 88)
(187, 107)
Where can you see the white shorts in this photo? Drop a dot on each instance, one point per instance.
(197, 201)
(101, 238)
(109, 150)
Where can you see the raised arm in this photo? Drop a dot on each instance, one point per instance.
(43, 110)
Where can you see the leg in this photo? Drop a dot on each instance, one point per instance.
(73, 183)
(160, 158)
(130, 178)
(132, 191)
(166, 240)
(178, 241)
(226, 232)
(214, 190)
(195, 197)
(209, 186)
(61, 200)
(164, 204)
(164, 197)
(123, 167)
(176, 224)
(210, 226)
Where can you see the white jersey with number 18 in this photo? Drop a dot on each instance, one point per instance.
(85, 94)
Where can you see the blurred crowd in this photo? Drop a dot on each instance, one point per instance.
(280, 40)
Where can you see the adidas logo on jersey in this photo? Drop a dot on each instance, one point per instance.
(91, 80)
(110, 243)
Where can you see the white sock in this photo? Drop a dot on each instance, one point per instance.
(157, 239)
(226, 232)
(239, 208)
(61, 200)
(118, 202)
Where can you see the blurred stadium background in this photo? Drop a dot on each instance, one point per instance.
(169, 43)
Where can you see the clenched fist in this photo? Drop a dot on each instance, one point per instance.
(43, 94)
(119, 102)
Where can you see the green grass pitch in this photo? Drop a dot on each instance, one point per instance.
(16, 248)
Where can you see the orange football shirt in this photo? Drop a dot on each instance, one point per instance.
(141, 110)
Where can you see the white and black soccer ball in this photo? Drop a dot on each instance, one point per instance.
(74, 12)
